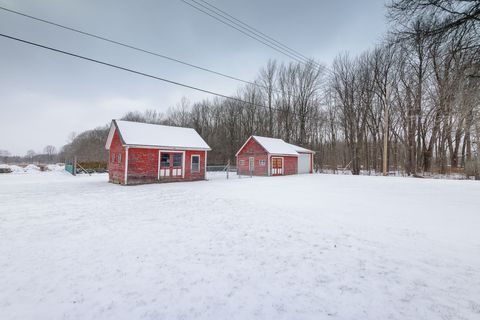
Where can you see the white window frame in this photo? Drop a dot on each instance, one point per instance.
(191, 163)
(241, 162)
(262, 162)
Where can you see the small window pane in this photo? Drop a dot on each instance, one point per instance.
(242, 162)
(177, 159)
(195, 163)
(165, 160)
(119, 158)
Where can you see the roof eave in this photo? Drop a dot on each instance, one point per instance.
(165, 147)
(283, 154)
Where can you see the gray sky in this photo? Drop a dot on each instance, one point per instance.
(44, 95)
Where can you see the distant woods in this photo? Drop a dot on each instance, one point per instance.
(417, 94)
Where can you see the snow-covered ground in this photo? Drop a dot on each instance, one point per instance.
(298, 247)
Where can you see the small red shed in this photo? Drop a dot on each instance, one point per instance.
(263, 156)
(148, 153)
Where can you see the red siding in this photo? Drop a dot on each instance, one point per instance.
(255, 150)
(142, 165)
(116, 168)
(192, 176)
(290, 165)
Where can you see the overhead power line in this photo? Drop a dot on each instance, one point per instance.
(130, 46)
(145, 74)
(247, 33)
(255, 30)
(232, 20)
(244, 28)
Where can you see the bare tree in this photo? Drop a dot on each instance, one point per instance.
(444, 16)
(50, 151)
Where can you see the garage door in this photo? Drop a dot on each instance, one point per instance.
(304, 163)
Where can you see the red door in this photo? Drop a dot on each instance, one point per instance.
(277, 166)
(171, 165)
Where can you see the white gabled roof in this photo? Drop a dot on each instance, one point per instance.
(300, 149)
(277, 146)
(155, 135)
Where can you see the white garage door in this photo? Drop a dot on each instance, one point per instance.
(304, 163)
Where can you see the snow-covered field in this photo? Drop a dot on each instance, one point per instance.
(298, 247)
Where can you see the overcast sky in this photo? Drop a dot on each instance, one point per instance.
(44, 95)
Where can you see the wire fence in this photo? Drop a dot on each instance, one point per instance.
(226, 171)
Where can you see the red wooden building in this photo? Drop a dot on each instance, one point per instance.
(148, 153)
(262, 156)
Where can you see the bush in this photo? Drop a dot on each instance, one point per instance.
(93, 165)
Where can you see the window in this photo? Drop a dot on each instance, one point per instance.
(119, 157)
(242, 162)
(177, 159)
(165, 160)
(196, 163)
(262, 162)
(113, 157)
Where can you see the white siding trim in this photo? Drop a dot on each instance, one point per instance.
(111, 132)
(183, 164)
(268, 164)
(158, 170)
(126, 165)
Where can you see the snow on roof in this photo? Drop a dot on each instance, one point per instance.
(300, 149)
(275, 146)
(155, 135)
(278, 146)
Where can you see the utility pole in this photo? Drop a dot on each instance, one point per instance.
(385, 133)
(74, 166)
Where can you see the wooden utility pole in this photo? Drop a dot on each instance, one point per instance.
(385, 134)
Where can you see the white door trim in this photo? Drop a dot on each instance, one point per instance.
(283, 167)
(170, 174)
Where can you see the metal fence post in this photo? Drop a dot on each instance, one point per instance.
(75, 165)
